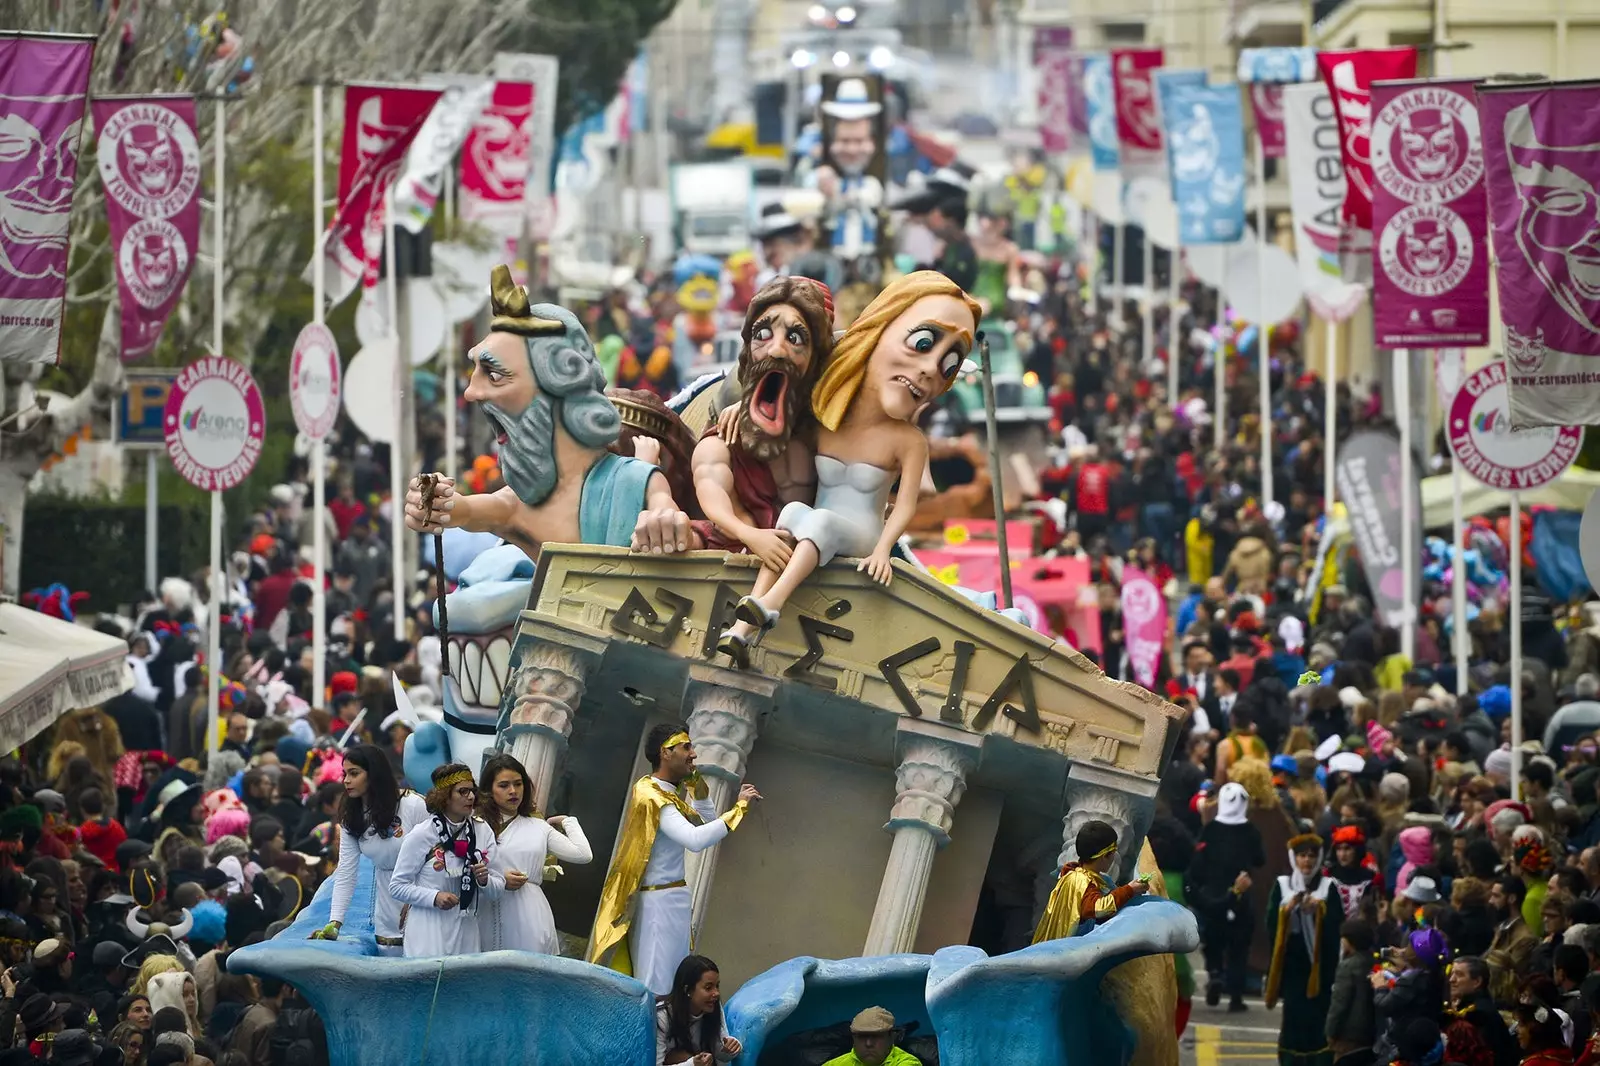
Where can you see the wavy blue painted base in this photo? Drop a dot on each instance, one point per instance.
(1037, 1005)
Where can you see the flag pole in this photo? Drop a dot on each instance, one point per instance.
(1330, 418)
(449, 348)
(397, 486)
(1264, 328)
(992, 425)
(218, 255)
(1408, 520)
(319, 453)
(1514, 613)
(1174, 341)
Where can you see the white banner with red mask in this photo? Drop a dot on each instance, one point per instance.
(1541, 146)
(380, 122)
(1144, 624)
(1138, 117)
(44, 83)
(149, 155)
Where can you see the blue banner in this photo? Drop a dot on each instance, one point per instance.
(1279, 66)
(1102, 111)
(1167, 82)
(1204, 127)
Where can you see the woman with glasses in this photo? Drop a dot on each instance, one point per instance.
(445, 870)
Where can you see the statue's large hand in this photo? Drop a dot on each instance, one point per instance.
(663, 531)
(438, 517)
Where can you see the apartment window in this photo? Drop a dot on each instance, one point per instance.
(1123, 32)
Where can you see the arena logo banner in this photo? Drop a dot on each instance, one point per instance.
(1329, 252)
(1144, 621)
(380, 122)
(1349, 77)
(1542, 151)
(44, 84)
(1102, 107)
(1052, 66)
(1138, 126)
(1368, 472)
(149, 155)
(1429, 216)
(1205, 149)
(1493, 451)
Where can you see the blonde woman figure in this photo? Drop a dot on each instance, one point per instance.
(903, 352)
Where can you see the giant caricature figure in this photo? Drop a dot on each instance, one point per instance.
(760, 459)
(543, 391)
(854, 196)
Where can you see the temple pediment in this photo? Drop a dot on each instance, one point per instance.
(915, 648)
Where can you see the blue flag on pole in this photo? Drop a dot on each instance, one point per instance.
(1204, 128)
(1102, 102)
(1167, 81)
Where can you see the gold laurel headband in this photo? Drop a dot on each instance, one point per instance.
(674, 740)
(459, 777)
(1103, 852)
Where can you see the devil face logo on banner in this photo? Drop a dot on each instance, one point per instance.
(155, 260)
(1558, 230)
(149, 160)
(1426, 249)
(1427, 146)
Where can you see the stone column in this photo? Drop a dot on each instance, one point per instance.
(547, 686)
(723, 709)
(930, 778)
(1105, 793)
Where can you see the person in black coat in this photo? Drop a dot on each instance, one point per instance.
(1222, 894)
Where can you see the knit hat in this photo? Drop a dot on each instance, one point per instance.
(1495, 702)
(1498, 763)
(1233, 804)
(1377, 736)
(1394, 788)
(343, 681)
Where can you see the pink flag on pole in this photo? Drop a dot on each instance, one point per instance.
(1267, 99)
(1430, 218)
(1052, 65)
(44, 84)
(1541, 147)
(380, 122)
(1138, 124)
(1077, 103)
(495, 163)
(149, 157)
(1144, 624)
(1349, 77)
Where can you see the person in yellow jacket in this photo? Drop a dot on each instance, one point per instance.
(872, 1042)
(1085, 894)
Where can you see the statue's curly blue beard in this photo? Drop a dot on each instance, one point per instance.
(528, 457)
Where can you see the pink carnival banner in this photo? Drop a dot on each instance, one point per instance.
(1430, 277)
(1077, 103)
(44, 85)
(1053, 70)
(1138, 121)
(149, 155)
(1542, 151)
(1267, 100)
(1144, 624)
(495, 163)
(1349, 77)
(380, 122)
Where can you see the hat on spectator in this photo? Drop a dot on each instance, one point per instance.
(1327, 749)
(1377, 736)
(48, 799)
(51, 952)
(1351, 697)
(872, 1020)
(1347, 762)
(1498, 762)
(73, 1047)
(107, 953)
(1421, 889)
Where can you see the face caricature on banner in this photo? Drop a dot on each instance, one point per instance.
(851, 116)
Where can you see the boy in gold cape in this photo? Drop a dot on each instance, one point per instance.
(643, 925)
(1085, 894)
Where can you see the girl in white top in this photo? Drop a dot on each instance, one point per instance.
(373, 822)
(689, 1019)
(521, 920)
(445, 870)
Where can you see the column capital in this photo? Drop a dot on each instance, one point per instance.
(1123, 800)
(933, 762)
(547, 685)
(724, 721)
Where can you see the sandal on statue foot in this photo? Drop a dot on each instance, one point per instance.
(753, 612)
(735, 647)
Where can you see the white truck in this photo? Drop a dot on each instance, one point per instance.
(712, 205)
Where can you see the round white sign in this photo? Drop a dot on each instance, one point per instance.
(215, 422)
(1480, 435)
(314, 379)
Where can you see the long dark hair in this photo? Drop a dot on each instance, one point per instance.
(492, 768)
(381, 805)
(681, 1035)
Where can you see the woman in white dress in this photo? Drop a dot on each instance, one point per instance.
(520, 920)
(445, 870)
(374, 820)
(689, 1019)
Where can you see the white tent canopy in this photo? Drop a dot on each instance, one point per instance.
(1569, 492)
(49, 667)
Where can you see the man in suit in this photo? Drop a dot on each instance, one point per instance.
(1198, 675)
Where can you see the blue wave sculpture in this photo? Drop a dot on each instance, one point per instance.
(1041, 1004)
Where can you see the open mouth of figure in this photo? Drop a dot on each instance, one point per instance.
(767, 406)
(501, 436)
(480, 671)
(916, 393)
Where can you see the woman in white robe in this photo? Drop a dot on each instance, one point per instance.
(373, 822)
(520, 920)
(445, 872)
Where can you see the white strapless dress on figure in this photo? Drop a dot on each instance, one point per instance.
(847, 518)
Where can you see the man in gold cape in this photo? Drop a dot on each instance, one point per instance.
(1085, 894)
(643, 925)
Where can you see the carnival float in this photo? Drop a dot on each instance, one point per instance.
(927, 760)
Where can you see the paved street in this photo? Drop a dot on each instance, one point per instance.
(1217, 1038)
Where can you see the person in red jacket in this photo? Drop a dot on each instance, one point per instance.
(1091, 496)
(101, 832)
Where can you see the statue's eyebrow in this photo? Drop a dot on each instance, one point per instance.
(489, 362)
